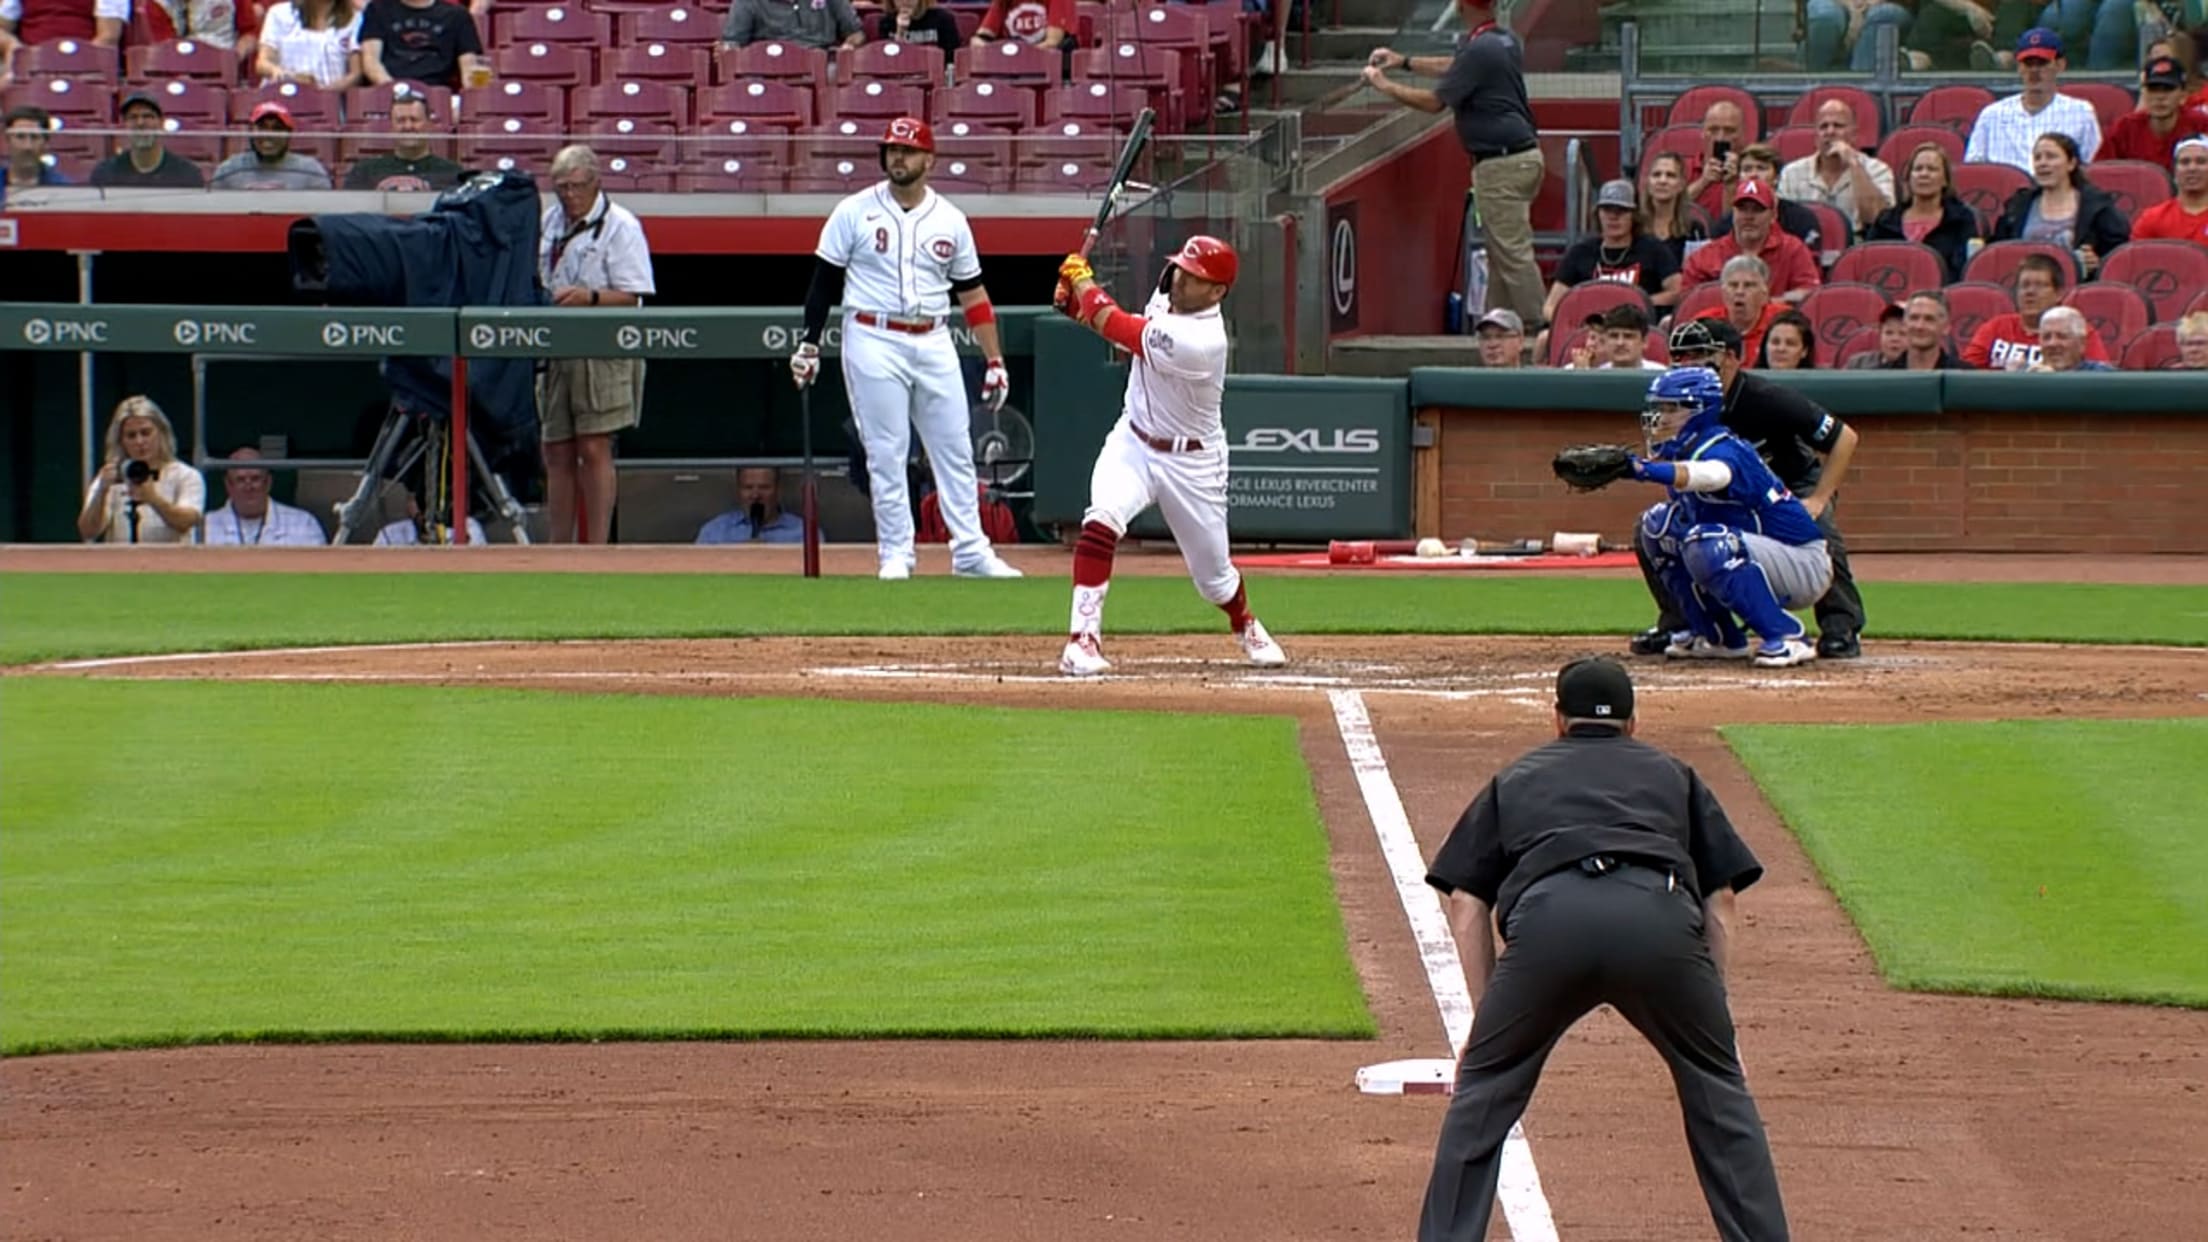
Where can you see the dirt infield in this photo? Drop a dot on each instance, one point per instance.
(1892, 1116)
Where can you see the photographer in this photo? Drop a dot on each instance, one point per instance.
(142, 493)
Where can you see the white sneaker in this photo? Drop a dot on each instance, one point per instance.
(895, 571)
(1785, 654)
(1259, 646)
(1697, 647)
(1271, 61)
(1082, 658)
(990, 566)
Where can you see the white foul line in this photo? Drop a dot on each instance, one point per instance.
(1519, 1187)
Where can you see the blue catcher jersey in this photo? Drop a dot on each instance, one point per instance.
(1754, 501)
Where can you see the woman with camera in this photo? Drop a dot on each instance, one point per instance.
(142, 493)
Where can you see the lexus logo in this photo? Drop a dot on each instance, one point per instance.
(38, 331)
(187, 332)
(334, 335)
(482, 336)
(627, 337)
(1345, 266)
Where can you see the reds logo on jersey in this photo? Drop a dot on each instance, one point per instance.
(943, 248)
(1027, 21)
(2004, 353)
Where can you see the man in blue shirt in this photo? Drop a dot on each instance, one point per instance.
(1731, 541)
(758, 515)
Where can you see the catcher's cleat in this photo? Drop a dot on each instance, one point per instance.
(1651, 641)
(1696, 647)
(1259, 647)
(1785, 654)
(1838, 644)
(1082, 657)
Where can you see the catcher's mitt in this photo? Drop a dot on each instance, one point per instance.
(1590, 467)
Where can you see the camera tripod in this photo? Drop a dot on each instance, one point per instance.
(409, 440)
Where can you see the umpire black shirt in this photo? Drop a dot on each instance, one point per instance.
(1787, 429)
(1594, 791)
(1485, 86)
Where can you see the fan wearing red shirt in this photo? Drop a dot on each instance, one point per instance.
(2162, 121)
(1047, 22)
(1755, 231)
(2184, 218)
(27, 23)
(2011, 342)
(1718, 166)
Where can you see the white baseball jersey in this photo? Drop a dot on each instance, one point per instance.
(283, 526)
(897, 262)
(1175, 387)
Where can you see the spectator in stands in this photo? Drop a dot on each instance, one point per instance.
(2185, 217)
(1717, 168)
(426, 41)
(1484, 84)
(1925, 323)
(28, 163)
(593, 254)
(1046, 23)
(1625, 339)
(162, 503)
(1502, 338)
(414, 528)
(411, 164)
(919, 21)
(230, 24)
(758, 516)
(1893, 341)
(2006, 128)
(1788, 265)
(1790, 344)
(1749, 306)
(1843, 34)
(2063, 333)
(2192, 341)
(143, 160)
(809, 23)
(1618, 252)
(1840, 175)
(1963, 34)
(2011, 342)
(1667, 209)
(2109, 30)
(2161, 122)
(271, 164)
(252, 519)
(2191, 49)
(1930, 212)
(1759, 161)
(27, 23)
(313, 43)
(2063, 208)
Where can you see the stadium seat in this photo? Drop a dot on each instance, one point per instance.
(1591, 297)
(672, 23)
(1099, 103)
(764, 143)
(197, 102)
(1075, 140)
(183, 58)
(1010, 59)
(776, 61)
(88, 101)
(878, 100)
(2153, 350)
(201, 144)
(67, 148)
(67, 58)
(312, 108)
(843, 175)
(1997, 262)
(1987, 186)
(2110, 101)
(982, 148)
(918, 64)
(2167, 273)
(2135, 184)
(656, 101)
(625, 175)
(558, 23)
(970, 177)
(1689, 109)
(1700, 300)
(731, 175)
(1895, 268)
(563, 64)
(1972, 302)
(1835, 232)
(849, 138)
(374, 102)
(1862, 342)
(1682, 140)
(1903, 143)
(1870, 120)
(2117, 311)
(1792, 142)
(1187, 30)
(1064, 177)
(762, 100)
(1156, 70)
(647, 142)
(541, 100)
(518, 143)
(680, 64)
(992, 105)
(1837, 312)
(1955, 107)
(2199, 302)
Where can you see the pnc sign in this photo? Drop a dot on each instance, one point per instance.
(189, 332)
(364, 335)
(632, 337)
(64, 332)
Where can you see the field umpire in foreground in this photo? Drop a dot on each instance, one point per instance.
(1611, 871)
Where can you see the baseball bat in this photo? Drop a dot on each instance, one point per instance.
(810, 502)
(1137, 138)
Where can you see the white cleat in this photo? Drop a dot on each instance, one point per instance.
(1697, 647)
(895, 571)
(1259, 646)
(1082, 658)
(990, 566)
(1785, 654)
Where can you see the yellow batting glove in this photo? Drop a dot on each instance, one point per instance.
(1075, 270)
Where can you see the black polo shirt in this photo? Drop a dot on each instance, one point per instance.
(1485, 86)
(1595, 791)
(1787, 429)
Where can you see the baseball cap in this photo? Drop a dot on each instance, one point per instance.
(1594, 689)
(2165, 71)
(1507, 320)
(2039, 43)
(1617, 193)
(1893, 311)
(147, 98)
(271, 108)
(1754, 191)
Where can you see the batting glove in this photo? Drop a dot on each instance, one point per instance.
(1075, 270)
(805, 365)
(1062, 300)
(995, 385)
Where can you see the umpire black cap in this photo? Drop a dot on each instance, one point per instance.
(1704, 336)
(1594, 689)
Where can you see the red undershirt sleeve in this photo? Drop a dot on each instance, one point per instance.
(1125, 330)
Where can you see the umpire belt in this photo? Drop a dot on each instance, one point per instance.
(915, 327)
(1167, 444)
(1604, 864)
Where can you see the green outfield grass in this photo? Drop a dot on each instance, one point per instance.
(207, 862)
(2024, 858)
(53, 616)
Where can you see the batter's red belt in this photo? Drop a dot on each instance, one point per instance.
(1165, 444)
(917, 327)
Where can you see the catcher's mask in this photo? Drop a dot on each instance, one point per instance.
(1683, 405)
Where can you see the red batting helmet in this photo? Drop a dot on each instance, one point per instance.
(909, 131)
(1207, 257)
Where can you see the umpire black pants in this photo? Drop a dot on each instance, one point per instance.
(1840, 609)
(1576, 941)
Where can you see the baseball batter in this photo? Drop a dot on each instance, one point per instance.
(1169, 446)
(895, 253)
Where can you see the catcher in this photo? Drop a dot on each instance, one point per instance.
(1732, 541)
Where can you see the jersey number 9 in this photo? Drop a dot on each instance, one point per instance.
(881, 241)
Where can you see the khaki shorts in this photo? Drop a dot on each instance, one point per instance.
(589, 396)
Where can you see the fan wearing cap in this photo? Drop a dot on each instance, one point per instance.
(2184, 218)
(1502, 338)
(1611, 873)
(1793, 269)
(2162, 120)
(2006, 128)
(1893, 343)
(1619, 251)
(271, 164)
(143, 161)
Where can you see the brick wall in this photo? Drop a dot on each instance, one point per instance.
(1950, 483)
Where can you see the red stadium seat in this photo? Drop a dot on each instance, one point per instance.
(1682, 140)
(82, 99)
(761, 143)
(1986, 187)
(312, 108)
(1158, 71)
(762, 99)
(832, 174)
(542, 100)
(205, 146)
(674, 23)
(1895, 268)
(557, 24)
(564, 64)
(2135, 184)
(976, 147)
(919, 64)
(195, 102)
(1591, 297)
(1100, 103)
(1700, 300)
(1187, 30)
(1862, 342)
(2154, 350)
(657, 101)
(1972, 302)
(184, 58)
(731, 175)
(2117, 311)
(1997, 262)
(1077, 141)
(1954, 107)
(1836, 312)
(955, 175)
(626, 175)
(2110, 101)
(1835, 233)
(647, 142)
(850, 138)
(1792, 142)
(1870, 121)
(1064, 177)
(68, 148)
(67, 58)
(1903, 143)
(1011, 59)
(2166, 273)
(778, 62)
(676, 63)
(1689, 109)
(374, 102)
(993, 105)
(518, 143)
(882, 100)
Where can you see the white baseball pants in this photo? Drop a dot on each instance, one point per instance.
(1190, 490)
(899, 381)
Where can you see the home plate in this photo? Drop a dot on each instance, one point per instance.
(1416, 1076)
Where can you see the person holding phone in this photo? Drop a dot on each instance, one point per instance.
(1717, 168)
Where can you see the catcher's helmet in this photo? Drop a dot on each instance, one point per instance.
(1207, 257)
(1695, 387)
(909, 131)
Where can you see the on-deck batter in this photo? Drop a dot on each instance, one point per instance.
(895, 253)
(1169, 446)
